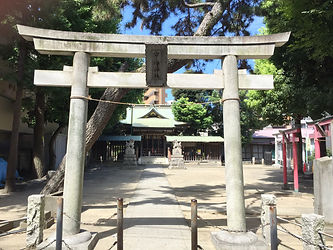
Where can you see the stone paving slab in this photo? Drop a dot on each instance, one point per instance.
(153, 219)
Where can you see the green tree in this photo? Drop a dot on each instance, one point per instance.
(194, 114)
(302, 69)
(17, 60)
(47, 104)
(307, 59)
(250, 121)
(271, 105)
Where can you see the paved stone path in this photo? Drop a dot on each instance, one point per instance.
(153, 219)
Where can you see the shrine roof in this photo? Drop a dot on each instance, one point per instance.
(159, 116)
(322, 121)
(195, 138)
(119, 138)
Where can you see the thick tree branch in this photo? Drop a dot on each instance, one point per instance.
(198, 5)
(210, 19)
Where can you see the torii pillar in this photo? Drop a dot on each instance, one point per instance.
(233, 147)
(76, 144)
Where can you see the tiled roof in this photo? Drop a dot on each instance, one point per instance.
(151, 117)
(195, 138)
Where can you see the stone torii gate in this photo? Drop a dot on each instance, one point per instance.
(156, 49)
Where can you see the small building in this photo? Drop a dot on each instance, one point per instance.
(322, 136)
(262, 146)
(200, 148)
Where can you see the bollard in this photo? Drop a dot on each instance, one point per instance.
(35, 220)
(120, 224)
(311, 225)
(273, 227)
(59, 223)
(194, 225)
(267, 202)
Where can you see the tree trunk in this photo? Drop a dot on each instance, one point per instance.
(299, 146)
(13, 149)
(94, 129)
(38, 146)
(52, 156)
(104, 111)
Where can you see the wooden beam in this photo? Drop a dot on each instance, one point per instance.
(320, 130)
(138, 80)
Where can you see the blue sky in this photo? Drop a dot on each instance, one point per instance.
(167, 31)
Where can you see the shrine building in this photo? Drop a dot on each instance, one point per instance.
(153, 128)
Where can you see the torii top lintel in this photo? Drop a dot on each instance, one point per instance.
(55, 42)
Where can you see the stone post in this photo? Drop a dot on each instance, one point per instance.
(232, 147)
(267, 200)
(35, 220)
(322, 187)
(276, 153)
(75, 156)
(311, 224)
(331, 129)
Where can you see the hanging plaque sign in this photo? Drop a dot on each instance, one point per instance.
(156, 65)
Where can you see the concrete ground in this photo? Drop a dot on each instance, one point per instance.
(205, 182)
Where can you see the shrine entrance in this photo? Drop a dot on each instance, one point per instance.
(157, 50)
(154, 145)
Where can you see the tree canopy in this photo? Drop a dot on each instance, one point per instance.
(194, 114)
(302, 75)
(302, 69)
(43, 105)
(307, 60)
(234, 16)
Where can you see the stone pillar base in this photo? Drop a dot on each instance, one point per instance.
(177, 163)
(83, 240)
(224, 240)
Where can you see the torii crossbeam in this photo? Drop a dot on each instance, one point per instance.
(57, 78)
(85, 45)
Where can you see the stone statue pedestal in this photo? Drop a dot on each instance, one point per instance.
(177, 162)
(177, 159)
(129, 156)
(130, 161)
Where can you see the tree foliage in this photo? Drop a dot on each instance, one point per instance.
(307, 60)
(301, 69)
(194, 114)
(52, 104)
(235, 16)
(270, 105)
